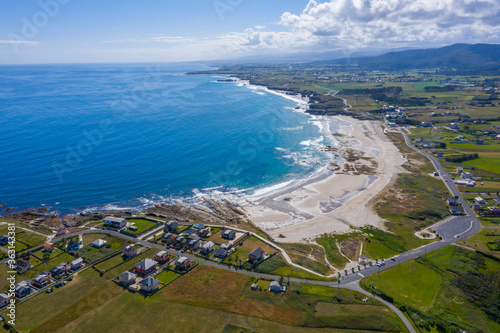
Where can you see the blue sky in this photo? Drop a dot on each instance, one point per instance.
(61, 31)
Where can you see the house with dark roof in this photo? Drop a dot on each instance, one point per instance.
(180, 240)
(145, 266)
(256, 254)
(41, 280)
(228, 234)
(74, 245)
(194, 244)
(127, 278)
(203, 232)
(220, 253)
(4, 240)
(23, 288)
(149, 284)
(171, 226)
(167, 237)
(59, 270)
(22, 266)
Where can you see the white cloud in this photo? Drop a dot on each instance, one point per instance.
(19, 42)
(353, 23)
(260, 27)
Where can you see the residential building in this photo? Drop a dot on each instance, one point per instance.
(494, 210)
(76, 264)
(59, 270)
(452, 201)
(226, 246)
(439, 154)
(182, 263)
(467, 175)
(460, 170)
(228, 234)
(4, 299)
(456, 209)
(475, 206)
(48, 247)
(275, 286)
(162, 257)
(180, 240)
(145, 266)
(194, 244)
(98, 243)
(198, 226)
(207, 247)
(74, 245)
(149, 284)
(203, 232)
(62, 232)
(256, 254)
(220, 253)
(115, 222)
(171, 226)
(127, 278)
(41, 280)
(497, 200)
(454, 126)
(479, 200)
(167, 237)
(4, 240)
(130, 250)
(23, 288)
(22, 266)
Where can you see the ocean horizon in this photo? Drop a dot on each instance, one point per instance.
(126, 136)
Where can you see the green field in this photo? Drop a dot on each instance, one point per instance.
(448, 289)
(410, 282)
(167, 276)
(91, 254)
(142, 225)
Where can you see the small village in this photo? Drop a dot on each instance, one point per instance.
(142, 268)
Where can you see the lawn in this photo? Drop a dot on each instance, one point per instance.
(490, 164)
(167, 276)
(409, 282)
(92, 254)
(449, 289)
(142, 225)
(48, 312)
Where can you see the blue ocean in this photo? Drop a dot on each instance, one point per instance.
(78, 137)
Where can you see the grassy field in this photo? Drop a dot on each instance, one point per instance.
(448, 289)
(167, 276)
(142, 225)
(310, 256)
(410, 282)
(92, 254)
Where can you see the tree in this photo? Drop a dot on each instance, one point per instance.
(46, 256)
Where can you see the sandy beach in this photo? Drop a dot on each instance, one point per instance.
(333, 201)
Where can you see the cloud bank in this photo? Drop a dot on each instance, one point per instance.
(359, 23)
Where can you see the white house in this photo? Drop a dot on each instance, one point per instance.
(115, 222)
(479, 200)
(207, 247)
(4, 299)
(76, 264)
(98, 243)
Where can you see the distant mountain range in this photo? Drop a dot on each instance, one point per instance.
(458, 56)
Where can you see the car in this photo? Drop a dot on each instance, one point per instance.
(48, 291)
(168, 246)
(393, 259)
(57, 285)
(64, 283)
(70, 278)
